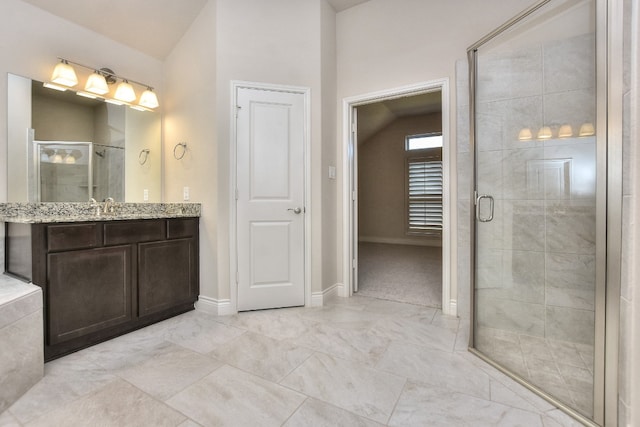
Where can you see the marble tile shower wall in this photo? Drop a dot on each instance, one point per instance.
(537, 267)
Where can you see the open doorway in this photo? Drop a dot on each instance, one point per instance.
(407, 259)
(399, 157)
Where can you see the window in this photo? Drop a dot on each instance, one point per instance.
(424, 184)
(421, 142)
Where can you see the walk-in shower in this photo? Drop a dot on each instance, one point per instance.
(540, 253)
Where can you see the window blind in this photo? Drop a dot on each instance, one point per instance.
(424, 196)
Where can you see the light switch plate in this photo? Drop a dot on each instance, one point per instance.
(185, 194)
(145, 195)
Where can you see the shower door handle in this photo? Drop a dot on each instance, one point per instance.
(491, 202)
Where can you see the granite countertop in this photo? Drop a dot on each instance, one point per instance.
(33, 213)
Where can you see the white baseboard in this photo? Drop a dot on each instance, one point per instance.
(214, 306)
(452, 309)
(318, 299)
(343, 291)
(400, 241)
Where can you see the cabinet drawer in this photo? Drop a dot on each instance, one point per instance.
(181, 228)
(73, 236)
(118, 233)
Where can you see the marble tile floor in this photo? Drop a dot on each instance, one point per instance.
(355, 362)
(564, 369)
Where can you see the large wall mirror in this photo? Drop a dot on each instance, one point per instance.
(67, 148)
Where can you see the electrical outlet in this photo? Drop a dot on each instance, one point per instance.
(332, 172)
(185, 194)
(145, 195)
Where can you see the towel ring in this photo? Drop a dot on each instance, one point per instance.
(175, 150)
(143, 159)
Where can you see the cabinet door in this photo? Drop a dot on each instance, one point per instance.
(88, 291)
(167, 275)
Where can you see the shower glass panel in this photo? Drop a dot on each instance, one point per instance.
(535, 226)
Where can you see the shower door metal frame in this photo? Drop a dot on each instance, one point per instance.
(609, 90)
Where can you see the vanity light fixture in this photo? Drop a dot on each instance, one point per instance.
(587, 129)
(566, 131)
(125, 92)
(64, 74)
(70, 158)
(545, 133)
(97, 85)
(149, 99)
(525, 134)
(55, 157)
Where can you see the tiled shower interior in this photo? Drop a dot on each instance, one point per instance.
(536, 260)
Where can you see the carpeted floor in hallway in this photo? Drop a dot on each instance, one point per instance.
(403, 273)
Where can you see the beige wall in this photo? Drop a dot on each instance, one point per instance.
(382, 181)
(329, 261)
(56, 120)
(190, 116)
(143, 131)
(256, 41)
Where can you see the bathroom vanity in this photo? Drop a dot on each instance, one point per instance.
(103, 275)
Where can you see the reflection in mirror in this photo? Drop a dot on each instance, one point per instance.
(63, 170)
(103, 139)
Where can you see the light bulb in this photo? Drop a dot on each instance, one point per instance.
(96, 83)
(587, 129)
(148, 99)
(125, 92)
(545, 133)
(64, 74)
(525, 134)
(565, 131)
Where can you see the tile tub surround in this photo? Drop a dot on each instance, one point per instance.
(32, 213)
(256, 370)
(21, 347)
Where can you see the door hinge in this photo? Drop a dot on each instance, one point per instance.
(237, 194)
(237, 277)
(238, 108)
(353, 195)
(354, 264)
(354, 128)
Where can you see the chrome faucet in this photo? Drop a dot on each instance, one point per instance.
(94, 204)
(108, 205)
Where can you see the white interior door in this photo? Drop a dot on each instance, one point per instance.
(270, 199)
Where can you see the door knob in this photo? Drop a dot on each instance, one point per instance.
(296, 211)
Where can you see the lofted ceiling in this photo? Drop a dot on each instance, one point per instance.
(153, 27)
(374, 117)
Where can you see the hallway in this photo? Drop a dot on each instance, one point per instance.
(355, 362)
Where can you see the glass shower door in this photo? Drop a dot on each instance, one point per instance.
(535, 225)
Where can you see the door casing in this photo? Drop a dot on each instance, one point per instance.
(233, 166)
(350, 191)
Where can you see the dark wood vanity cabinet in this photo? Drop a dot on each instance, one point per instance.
(103, 279)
